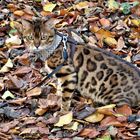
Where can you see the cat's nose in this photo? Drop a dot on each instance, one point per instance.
(37, 45)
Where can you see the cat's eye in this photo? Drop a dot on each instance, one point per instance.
(30, 37)
(44, 37)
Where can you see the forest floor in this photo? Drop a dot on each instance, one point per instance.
(27, 111)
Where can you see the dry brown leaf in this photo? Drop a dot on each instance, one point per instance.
(125, 110)
(101, 34)
(40, 111)
(12, 7)
(111, 120)
(17, 82)
(7, 126)
(35, 130)
(18, 101)
(120, 44)
(20, 71)
(94, 28)
(52, 101)
(105, 22)
(89, 132)
(34, 92)
(19, 13)
(28, 10)
(27, 16)
(1, 85)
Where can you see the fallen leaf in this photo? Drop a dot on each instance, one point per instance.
(111, 42)
(7, 126)
(125, 110)
(136, 22)
(49, 7)
(112, 131)
(35, 130)
(101, 34)
(77, 38)
(53, 101)
(113, 5)
(120, 44)
(13, 40)
(12, 7)
(28, 10)
(23, 59)
(84, 112)
(106, 110)
(111, 106)
(7, 66)
(64, 120)
(18, 101)
(96, 117)
(111, 120)
(34, 92)
(40, 111)
(105, 22)
(7, 94)
(105, 137)
(89, 132)
(1, 86)
(82, 5)
(20, 71)
(17, 82)
(19, 13)
(73, 126)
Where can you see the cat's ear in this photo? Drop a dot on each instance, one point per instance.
(17, 25)
(51, 23)
(22, 24)
(26, 24)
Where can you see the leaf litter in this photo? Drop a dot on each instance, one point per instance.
(28, 109)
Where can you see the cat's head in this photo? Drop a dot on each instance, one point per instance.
(38, 33)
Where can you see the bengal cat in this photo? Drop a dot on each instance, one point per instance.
(94, 72)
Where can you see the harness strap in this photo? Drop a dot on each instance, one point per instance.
(70, 40)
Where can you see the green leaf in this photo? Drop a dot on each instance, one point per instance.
(125, 7)
(113, 5)
(37, 0)
(106, 137)
(12, 31)
(135, 3)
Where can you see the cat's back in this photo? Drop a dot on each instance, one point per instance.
(105, 77)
